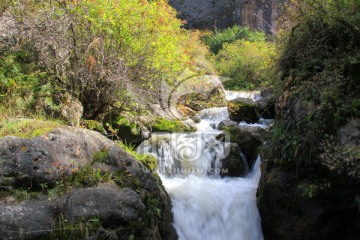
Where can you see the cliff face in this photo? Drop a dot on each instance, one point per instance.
(220, 14)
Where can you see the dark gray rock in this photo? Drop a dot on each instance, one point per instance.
(293, 109)
(28, 220)
(106, 202)
(56, 154)
(249, 143)
(225, 124)
(258, 132)
(133, 202)
(235, 164)
(243, 109)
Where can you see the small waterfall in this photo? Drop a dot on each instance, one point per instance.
(210, 118)
(231, 95)
(205, 206)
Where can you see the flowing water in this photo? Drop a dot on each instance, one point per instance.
(206, 206)
(231, 95)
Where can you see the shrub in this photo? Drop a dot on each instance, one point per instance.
(220, 37)
(320, 64)
(248, 64)
(106, 53)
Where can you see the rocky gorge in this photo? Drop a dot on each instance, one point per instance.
(104, 135)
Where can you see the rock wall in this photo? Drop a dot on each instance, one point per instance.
(220, 14)
(318, 200)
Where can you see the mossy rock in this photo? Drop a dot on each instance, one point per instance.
(94, 125)
(243, 111)
(148, 160)
(197, 101)
(127, 130)
(166, 125)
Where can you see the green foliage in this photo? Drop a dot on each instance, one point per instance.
(126, 128)
(83, 228)
(313, 190)
(5, 4)
(26, 128)
(230, 35)
(244, 56)
(320, 62)
(344, 160)
(148, 160)
(106, 53)
(20, 80)
(248, 64)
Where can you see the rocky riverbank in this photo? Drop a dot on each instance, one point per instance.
(73, 182)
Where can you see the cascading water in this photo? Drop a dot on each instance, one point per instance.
(206, 206)
(231, 95)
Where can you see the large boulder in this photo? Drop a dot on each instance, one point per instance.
(235, 164)
(248, 142)
(243, 109)
(71, 179)
(259, 132)
(225, 124)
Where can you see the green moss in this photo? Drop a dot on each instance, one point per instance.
(26, 128)
(94, 125)
(166, 125)
(149, 161)
(125, 129)
(87, 177)
(101, 156)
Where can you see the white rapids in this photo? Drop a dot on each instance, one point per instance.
(206, 206)
(254, 96)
